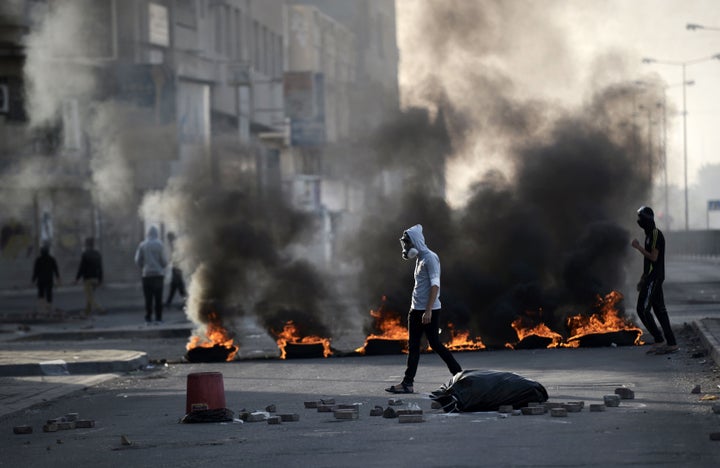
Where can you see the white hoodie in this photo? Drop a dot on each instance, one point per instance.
(427, 271)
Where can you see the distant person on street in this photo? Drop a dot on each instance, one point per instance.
(90, 271)
(150, 257)
(177, 283)
(424, 315)
(45, 271)
(650, 285)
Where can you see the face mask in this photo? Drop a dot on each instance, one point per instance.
(645, 223)
(408, 251)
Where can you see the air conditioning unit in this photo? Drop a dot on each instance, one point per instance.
(4, 99)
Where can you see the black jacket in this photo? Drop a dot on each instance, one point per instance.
(90, 266)
(45, 270)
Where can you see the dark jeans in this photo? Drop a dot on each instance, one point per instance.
(45, 291)
(176, 284)
(153, 292)
(651, 297)
(416, 329)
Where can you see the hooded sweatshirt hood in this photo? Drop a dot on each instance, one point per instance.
(418, 239)
(150, 255)
(152, 233)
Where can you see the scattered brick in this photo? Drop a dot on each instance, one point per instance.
(64, 426)
(84, 423)
(581, 403)
(395, 402)
(596, 407)
(50, 428)
(715, 436)
(573, 407)
(411, 418)
(326, 408)
(553, 404)
(243, 415)
(271, 409)
(273, 420)
(405, 411)
(558, 412)
(289, 417)
(328, 401)
(389, 413)
(377, 411)
(311, 404)
(346, 414)
(625, 393)
(696, 389)
(354, 407)
(532, 410)
(256, 417)
(124, 440)
(611, 400)
(22, 429)
(505, 409)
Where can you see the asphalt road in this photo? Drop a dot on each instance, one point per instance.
(665, 425)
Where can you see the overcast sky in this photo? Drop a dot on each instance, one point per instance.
(589, 29)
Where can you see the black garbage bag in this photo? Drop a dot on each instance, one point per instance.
(487, 390)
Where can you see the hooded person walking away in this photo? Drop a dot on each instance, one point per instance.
(91, 272)
(650, 292)
(150, 257)
(424, 315)
(45, 271)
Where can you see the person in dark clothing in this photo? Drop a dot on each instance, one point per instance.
(177, 283)
(45, 271)
(150, 257)
(91, 272)
(650, 286)
(424, 316)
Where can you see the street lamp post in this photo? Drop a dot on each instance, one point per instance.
(684, 85)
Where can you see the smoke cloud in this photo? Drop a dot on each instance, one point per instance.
(542, 191)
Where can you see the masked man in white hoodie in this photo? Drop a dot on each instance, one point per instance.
(150, 257)
(424, 313)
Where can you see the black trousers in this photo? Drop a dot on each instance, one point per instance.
(177, 284)
(153, 292)
(651, 297)
(45, 291)
(416, 329)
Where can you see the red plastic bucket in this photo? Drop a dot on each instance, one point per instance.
(205, 391)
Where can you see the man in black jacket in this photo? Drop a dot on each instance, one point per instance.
(45, 271)
(91, 272)
(650, 286)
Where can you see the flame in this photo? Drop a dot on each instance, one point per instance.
(606, 320)
(389, 328)
(215, 334)
(460, 341)
(523, 331)
(290, 334)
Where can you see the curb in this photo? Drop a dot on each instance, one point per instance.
(60, 367)
(108, 334)
(708, 340)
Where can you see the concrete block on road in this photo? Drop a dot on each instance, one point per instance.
(389, 413)
(22, 430)
(273, 420)
(411, 418)
(403, 411)
(573, 407)
(84, 423)
(597, 407)
(311, 404)
(346, 414)
(257, 417)
(395, 402)
(50, 428)
(532, 410)
(558, 412)
(327, 401)
(271, 409)
(625, 393)
(65, 426)
(326, 408)
(611, 401)
(289, 417)
(377, 411)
